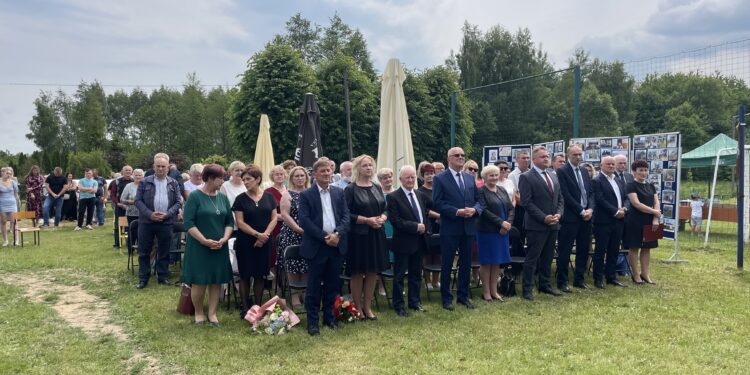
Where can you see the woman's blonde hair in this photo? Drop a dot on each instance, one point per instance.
(384, 172)
(304, 170)
(278, 168)
(236, 164)
(358, 163)
(489, 169)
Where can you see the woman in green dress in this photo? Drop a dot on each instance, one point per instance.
(208, 220)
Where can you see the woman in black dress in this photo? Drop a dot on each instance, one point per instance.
(644, 211)
(255, 213)
(366, 256)
(432, 256)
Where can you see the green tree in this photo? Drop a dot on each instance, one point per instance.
(218, 120)
(158, 122)
(90, 117)
(441, 82)
(340, 38)
(194, 139)
(304, 36)
(274, 83)
(423, 118)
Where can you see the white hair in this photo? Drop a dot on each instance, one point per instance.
(404, 168)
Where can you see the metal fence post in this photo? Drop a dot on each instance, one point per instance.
(741, 190)
(576, 100)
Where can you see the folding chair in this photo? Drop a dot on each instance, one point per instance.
(36, 232)
(175, 247)
(433, 242)
(122, 230)
(132, 245)
(288, 286)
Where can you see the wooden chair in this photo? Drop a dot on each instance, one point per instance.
(122, 231)
(132, 242)
(21, 230)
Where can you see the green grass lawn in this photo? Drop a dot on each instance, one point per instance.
(693, 321)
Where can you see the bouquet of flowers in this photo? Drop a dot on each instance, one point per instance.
(273, 318)
(345, 310)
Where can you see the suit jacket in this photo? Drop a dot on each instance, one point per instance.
(447, 199)
(572, 193)
(144, 199)
(538, 201)
(490, 220)
(310, 215)
(606, 200)
(405, 238)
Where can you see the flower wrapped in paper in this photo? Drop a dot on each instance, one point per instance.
(344, 310)
(273, 318)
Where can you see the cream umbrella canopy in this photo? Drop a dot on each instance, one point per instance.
(264, 150)
(394, 142)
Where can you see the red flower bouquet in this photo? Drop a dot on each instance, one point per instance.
(345, 310)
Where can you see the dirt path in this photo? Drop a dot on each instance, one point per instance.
(82, 310)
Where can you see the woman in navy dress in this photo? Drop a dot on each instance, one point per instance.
(492, 231)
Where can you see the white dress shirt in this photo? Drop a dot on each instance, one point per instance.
(329, 220)
(615, 187)
(414, 194)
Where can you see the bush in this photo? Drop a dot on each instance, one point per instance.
(79, 161)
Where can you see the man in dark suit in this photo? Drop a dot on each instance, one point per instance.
(407, 213)
(543, 201)
(324, 216)
(456, 198)
(609, 194)
(621, 170)
(576, 220)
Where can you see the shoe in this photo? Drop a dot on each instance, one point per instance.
(76, 229)
(565, 289)
(499, 298)
(487, 299)
(382, 292)
(448, 306)
(89, 227)
(580, 285)
(617, 282)
(371, 317)
(418, 308)
(437, 286)
(528, 295)
(647, 280)
(5, 243)
(141, 285)
(214, 324)
(430, 287)
(333, 326)
(44, 227)
(599, 284)
(636, 282)
(242, 314)
(164, 282)
(313, 331)
(550, 291)
(402, 313)
(200, 322)
(468, 305)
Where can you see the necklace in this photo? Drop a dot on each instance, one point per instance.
(218, 212)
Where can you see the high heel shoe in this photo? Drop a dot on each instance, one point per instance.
(635, 282)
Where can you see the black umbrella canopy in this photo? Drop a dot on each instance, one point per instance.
(309, 147)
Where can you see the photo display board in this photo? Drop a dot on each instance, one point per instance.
(554, 148)
(663, 153)
(594, 149)
(491, 154)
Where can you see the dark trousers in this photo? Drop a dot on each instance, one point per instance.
(539, 255)
(413, 264)
(608, 238)
(448, 246)
(49, 204)
(146, 234)
(99, 211)
(517, 243)
(325, 268)
(580, 232)
(86, 205)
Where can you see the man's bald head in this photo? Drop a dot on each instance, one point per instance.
(456, 158)
(621, 163)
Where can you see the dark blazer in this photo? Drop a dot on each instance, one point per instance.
(538, 201)
(310, 217)
(353, 195)
(447, 199)
(606, 200)
(572, 193)
(490, 220)
(405, 238)
(144, 199)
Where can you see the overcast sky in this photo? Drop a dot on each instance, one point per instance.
(158, 42)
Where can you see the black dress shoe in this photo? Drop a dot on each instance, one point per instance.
(448, 306)
(418, 308)
(636, 282)
(402, 312)
(313, 331)
(565, 289)
(550, 291)
(141, 285)
(580, 285)
(528, 295)
(616, 282)
(599, 284)
(468, 305)
(333, 326)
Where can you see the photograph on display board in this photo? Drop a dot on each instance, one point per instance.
(654, 179)
(559, 147)
(605, 142)
(655, 167)
(640, 155)
(493, 156)
(669, 175)
(640, 141)
(578, 142)
(592, 144)
(667, 196)
(621, 144)
(504, 151)
(661, 140)
(653, 142)
(672, 140)
(591, 155)
(652, 154)
(606, 152)
(663, 154)
(668, 210)
(673, 154)
(669, 225)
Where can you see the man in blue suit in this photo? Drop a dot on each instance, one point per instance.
(456, 197)
(575, 184)
(324, 216)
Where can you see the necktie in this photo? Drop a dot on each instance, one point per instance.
(461, 182)
(414, 208)
(621, 176)
(584, 198)
(549, 183)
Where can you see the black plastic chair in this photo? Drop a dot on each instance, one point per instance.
(178, 229)
(433, 242)
(289, 286)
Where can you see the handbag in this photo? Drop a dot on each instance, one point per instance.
(507, 285)
(185, 303)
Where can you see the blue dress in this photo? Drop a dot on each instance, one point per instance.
(494, 248)
(8, 202)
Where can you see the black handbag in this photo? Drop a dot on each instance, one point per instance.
(507, 287)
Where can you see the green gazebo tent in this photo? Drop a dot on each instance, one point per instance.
(705, 155)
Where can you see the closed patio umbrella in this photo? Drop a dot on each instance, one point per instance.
(264, 150)
(394, 142)
(309, 148)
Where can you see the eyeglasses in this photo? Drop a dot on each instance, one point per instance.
(503, 168)
(458, 155)
(472, 169)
